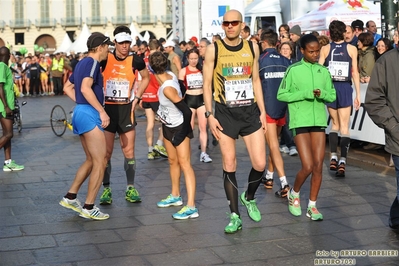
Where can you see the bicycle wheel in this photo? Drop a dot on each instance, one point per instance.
(58, 120)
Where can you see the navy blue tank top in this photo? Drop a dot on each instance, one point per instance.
(339, 63)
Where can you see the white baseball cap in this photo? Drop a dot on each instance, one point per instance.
(123, 37)
(169, 43)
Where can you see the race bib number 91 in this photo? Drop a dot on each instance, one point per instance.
(117, 91)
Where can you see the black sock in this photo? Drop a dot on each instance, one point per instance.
(88, 206)
(230, 187)
(333, 141)
(345, 143)
(71, 196)
(254, 180)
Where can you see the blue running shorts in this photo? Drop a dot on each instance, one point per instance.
(85, 118)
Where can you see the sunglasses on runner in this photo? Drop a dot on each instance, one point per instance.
(233, 23)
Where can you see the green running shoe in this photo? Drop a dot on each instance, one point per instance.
(161, 150)
(294, 204)
(314, 214)
(153, 155)
(12, 167)
(106, 197)
(252, 209)
(132, 195)
(234, 225)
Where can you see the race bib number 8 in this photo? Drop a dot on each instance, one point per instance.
(117, 91)
(239, 93)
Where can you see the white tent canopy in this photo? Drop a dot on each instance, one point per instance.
(66, 43)
(320, 18)
(135, 33)
(80, 44)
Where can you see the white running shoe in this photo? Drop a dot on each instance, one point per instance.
(205, 158)
(293, 151)
(284, 149)
(94, 214)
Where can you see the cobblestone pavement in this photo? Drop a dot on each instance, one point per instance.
(35, 230)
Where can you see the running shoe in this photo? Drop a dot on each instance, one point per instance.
(294, 204)
(12, 167)
(94, 214)
(284, 149)
(314, 214)
(205, 158)
(282, 193)
(106, 197)
(185, 213)
(132, 195)
(293, 151)
(153, 155)
(71, 204)
(170, 201)
(333, 165)
(341, 170)
(161, 150)
(268, 183)
(234, 225)
(252, 209)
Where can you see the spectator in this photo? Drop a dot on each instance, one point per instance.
(381, 104)
(383, 45)
(350, 36)
(245, 33)
(323, 40)
(366, 56)
(216, 37)
(372, 28)
(174, 59)
(295, 36)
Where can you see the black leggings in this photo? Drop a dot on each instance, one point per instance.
(34, 85)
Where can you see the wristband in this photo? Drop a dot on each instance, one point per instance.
(138, 99)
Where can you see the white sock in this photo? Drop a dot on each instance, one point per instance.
(7, 161)
(150, 148)
(292, 192)
(283, 181)
(342, 160)
(312, 203)
(159, 142)
(269, 175)
(334, 156)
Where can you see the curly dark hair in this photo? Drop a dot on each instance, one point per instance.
(337, 30)
(158, 62)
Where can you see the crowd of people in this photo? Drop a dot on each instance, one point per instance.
(274, 88)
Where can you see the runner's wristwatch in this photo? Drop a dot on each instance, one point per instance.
(208, 114)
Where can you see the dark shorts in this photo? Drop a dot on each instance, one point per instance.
(169, 132)
(7, 116)
(151, 105)
(194, 101)
(344, 92)
(121, 118)
(85, 118)
(239, 121)
(301, 130)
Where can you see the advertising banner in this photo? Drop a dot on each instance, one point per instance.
(212, 12)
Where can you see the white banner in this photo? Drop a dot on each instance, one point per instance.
(361, 127)
(212, 15)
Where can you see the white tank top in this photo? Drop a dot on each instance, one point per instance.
(168, 113)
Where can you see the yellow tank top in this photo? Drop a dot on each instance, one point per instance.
(232, 75)
(118, 80)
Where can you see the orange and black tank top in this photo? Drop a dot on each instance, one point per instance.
(118, 80)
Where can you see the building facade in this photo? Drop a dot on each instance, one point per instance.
(34, 24)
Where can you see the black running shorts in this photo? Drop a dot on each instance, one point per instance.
(194, 101)
(151, 105)
(121, 118)
(238, 121)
